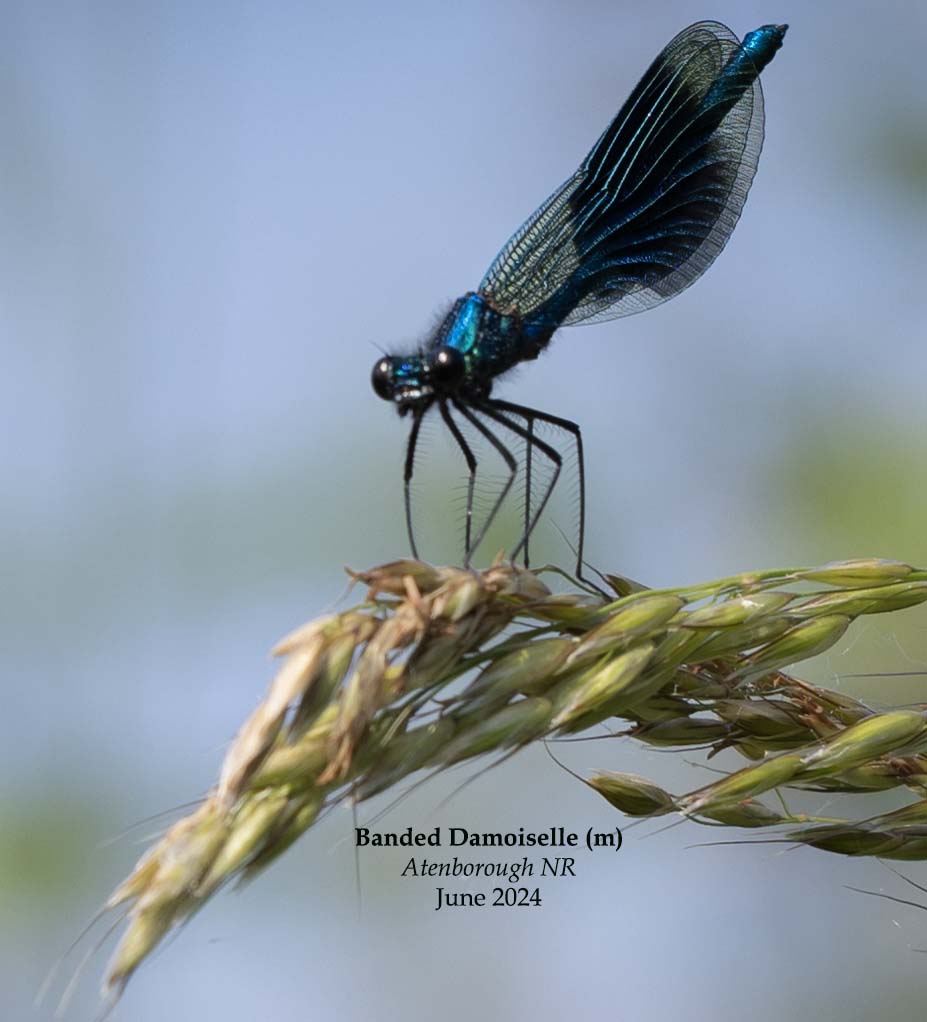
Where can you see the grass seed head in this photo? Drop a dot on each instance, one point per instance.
(366, 697)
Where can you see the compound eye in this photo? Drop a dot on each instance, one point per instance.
(382, 379)
(448, 367)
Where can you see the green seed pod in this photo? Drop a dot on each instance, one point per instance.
(754, 749)
(803, 640)
(842, 708)
(187, 851)
(529, 670)
(745, 783)
(298, 818)
(247, 831)
(868, 571)
(878, 776)
(907, 594)
(519, 722)
(623, 586)
(749, 813)
(683, 731)
(430, 662)
(870, 738)
(663, 708)
(847, 840)
(403, 754)
(736, 640)
(876, 600)
(146, 930)
(678, 646)
(910, 847)
(633, 795)
(589, 689)
(737, 611)
(569, 610)
(638, 617)
(298, 763)
(915, 813)
(761, 719)
(701, 685)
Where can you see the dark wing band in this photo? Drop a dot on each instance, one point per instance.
(658, 196)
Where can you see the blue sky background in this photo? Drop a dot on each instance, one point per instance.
(210, 217)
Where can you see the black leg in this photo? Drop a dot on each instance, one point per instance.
(407, 475)
(470, 458)
(529, 423)
(573, 429)
(510, 462)
(491, 410)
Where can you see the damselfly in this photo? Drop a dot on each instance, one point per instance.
(645, 214)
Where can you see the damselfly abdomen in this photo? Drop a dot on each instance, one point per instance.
(645, 214)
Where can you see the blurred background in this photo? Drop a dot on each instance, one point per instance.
(210, 217)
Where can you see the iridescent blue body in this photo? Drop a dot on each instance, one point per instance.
(490, 343)
(644, 216)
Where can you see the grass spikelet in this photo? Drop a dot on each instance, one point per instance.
(365, 698)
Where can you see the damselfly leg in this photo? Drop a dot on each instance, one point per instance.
(510, 462)
(501, 415)
(417, 417)
(471, 461)
(568, 426)
(529, 425)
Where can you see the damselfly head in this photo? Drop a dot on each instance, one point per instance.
(417, 379)
(402, 381)
(382, 378)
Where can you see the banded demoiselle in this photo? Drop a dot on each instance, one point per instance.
(643, 217)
